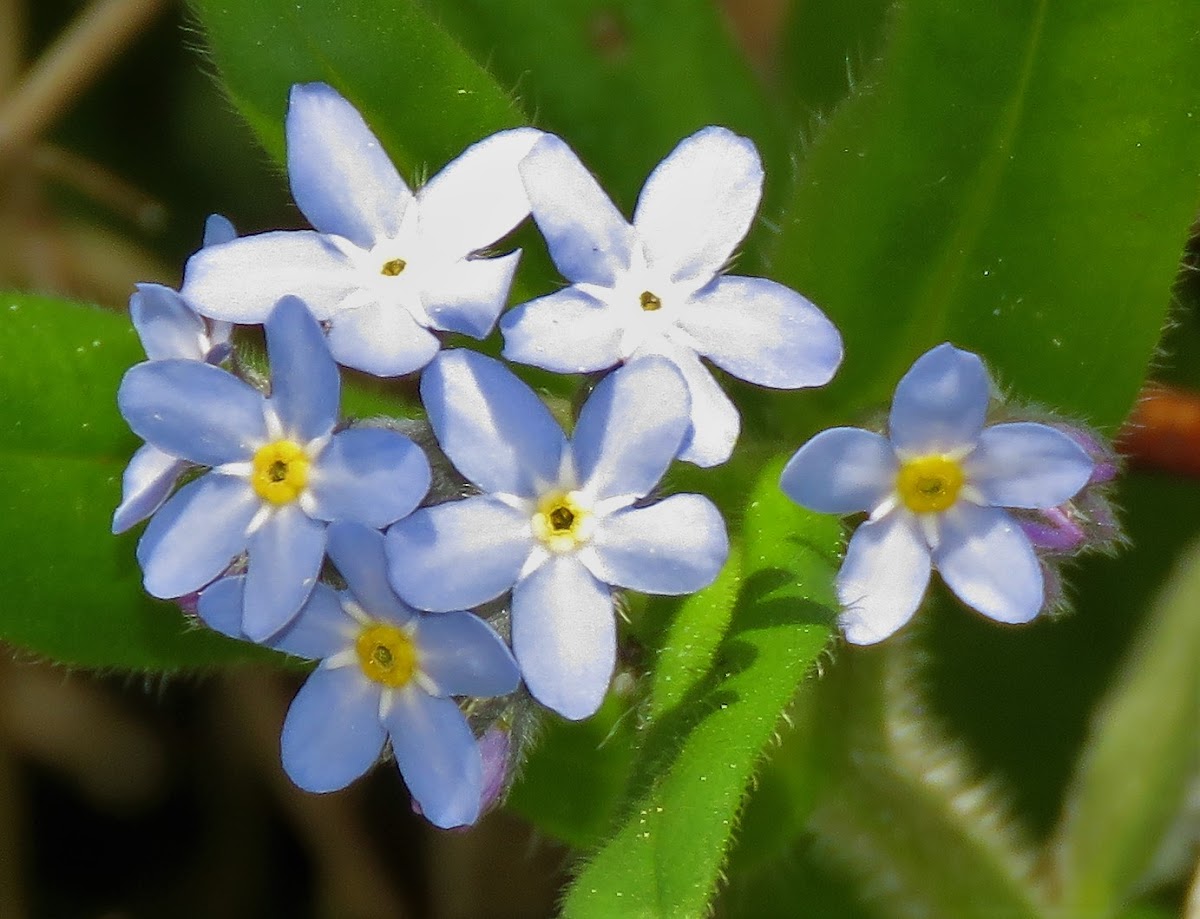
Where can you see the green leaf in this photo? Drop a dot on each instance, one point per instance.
(1018, 178)
(1140, 759)
(73, 590)
(606, 74)
(424, 97)
(697, 760)
(904, 810)
(693, 637)
(574, 779)
(828, 48)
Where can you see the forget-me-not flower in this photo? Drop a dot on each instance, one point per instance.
(936, 490)
(386, 674)
(558, 522)
(655, 287)
(169, 328)
(385, 267)
(279, 474)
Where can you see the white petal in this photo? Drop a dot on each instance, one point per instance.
(242, 280)
(715, 419)
(381, 338)
(1028, 465)
(940, 404)
(882, 579)
(477, 198)
(564, 636)
(698, 203)
(588, 237)
(986, 559)
(468, 295)
(763, 332)
(841, 471)
(567, 331)
(341, 177)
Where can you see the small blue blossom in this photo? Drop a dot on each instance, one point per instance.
(655, 287)
(558, 522)
(386, 674)
(936, 493)
(169, 328)
(278, 472)
(385, 267)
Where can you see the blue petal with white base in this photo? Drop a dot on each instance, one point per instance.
(936, 492)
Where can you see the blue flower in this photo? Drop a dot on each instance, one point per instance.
(654, 287)
(279, 473)
(386, 673)
(558, 522)
(936, 493)
(169, 328)
(385, 266)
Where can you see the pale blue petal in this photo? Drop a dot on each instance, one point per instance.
(457, 555)
(882, 579)
(465, 657)
(477, 198)
(1028, 465)
(715, 422)
(467, 296)
(630, 429)
(194, 411)
(676, 546)
(567, 331)
(438, 757)
(321, 629)
(217, 230)
(698, 203)
(368, 475)
(332, 733)
(148, 480)
(285, 560)
(989, 563)
(196, 534)
(220, 606)
(763, 332)
(305, 385)
(587, 237)
(940, 404)
(841, 471)
(493, 427)
(564, 636)
(242, 280)
(167, 326)
(341, 177)
(359, 555)
(382, 339)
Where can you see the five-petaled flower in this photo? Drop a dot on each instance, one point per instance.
(385, 267)
(278, 471)
(169, 328)
(936, 493)
(558, 522)
(386, 674)
(654, 287)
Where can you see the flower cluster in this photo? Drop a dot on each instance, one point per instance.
(405, 558)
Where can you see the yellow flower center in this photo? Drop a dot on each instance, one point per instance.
(386, 655)
(649, 302)
(929, 483)
(562, 522)
(280, 471)
(393, 267)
